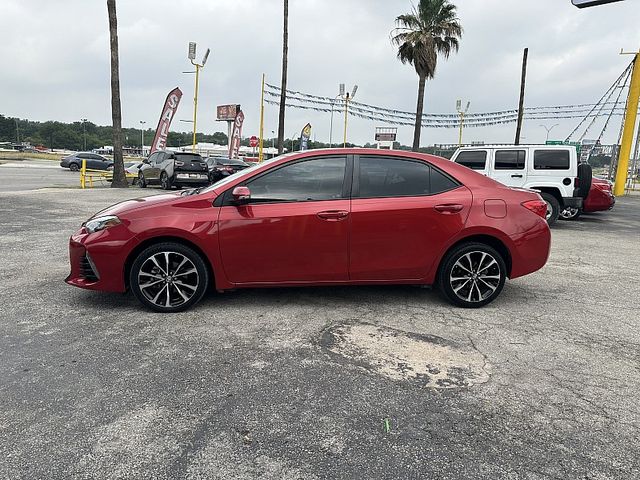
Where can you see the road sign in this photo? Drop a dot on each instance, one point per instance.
(253, 141)
(591, 3)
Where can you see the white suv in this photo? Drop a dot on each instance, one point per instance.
(553, 170)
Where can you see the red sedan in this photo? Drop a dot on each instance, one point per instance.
(321, 217)
(600, 199)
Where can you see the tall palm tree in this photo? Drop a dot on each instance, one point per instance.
(119, 178)
(283, 83)
(431, 29)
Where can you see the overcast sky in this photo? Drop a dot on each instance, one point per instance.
(55, 57)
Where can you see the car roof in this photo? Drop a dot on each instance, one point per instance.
(511, 145)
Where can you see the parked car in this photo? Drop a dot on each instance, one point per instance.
(94, 161)
(133, 168)
(600, 198)
(220, 167)
(320, 217)
(553, 170)
(173, 169)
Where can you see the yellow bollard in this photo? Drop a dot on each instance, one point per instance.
(83, 172)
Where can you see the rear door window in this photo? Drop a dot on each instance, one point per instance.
(476, 160)
(551, 160)
(382, 177)
(510, 159)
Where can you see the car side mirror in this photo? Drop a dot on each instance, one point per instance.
(241, 195)
(146, 160)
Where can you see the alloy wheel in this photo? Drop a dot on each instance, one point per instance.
(569, 213)
(168, 279)
(475, 276)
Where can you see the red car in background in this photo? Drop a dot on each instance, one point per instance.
(320, 217)
(600, 199)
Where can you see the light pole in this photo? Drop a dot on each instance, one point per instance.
(331, 124)
(84, 133)
(347, 98)
(192, 56)
(142, 137)
(17, 131)
(273, 139)
(462, 113)
(548, 129)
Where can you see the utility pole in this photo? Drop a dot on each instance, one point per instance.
(522, 88)
(347, 98)
(629, 127)
(17, 131)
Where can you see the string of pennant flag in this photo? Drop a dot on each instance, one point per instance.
(319, 103)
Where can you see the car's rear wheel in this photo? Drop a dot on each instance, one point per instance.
(165, 182)
(142, 183)
(168, 277)
(472, 275)
(553, 208)
(74, 167)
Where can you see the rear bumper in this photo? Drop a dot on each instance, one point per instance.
(202, 179)
(530, 250)
(573, 201)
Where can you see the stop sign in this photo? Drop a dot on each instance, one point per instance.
(253, 141)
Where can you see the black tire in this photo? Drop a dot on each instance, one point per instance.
(553, 207)
(74, 167)
(165, 181)
(142, 183)
(482, 265)
(164, 280)
(585, 178)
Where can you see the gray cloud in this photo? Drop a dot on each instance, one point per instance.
(56, 59)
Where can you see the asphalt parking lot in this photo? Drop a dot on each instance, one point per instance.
(325, 383)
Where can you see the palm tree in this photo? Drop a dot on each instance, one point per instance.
(431, 29)
(283, 83)
(119, 178)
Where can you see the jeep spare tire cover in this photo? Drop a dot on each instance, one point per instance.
(585, 176)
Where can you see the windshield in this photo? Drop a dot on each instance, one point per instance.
(188, 157)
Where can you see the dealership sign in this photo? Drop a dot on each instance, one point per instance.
(168, 112)
(591, 3)
(227, 113)
(234, 148)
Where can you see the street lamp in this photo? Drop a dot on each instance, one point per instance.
(142, 137)
(462, 113)
(548, 129)
(331, 124)
(273, 139)
(192, 56)
(84, 133)
(347, 98)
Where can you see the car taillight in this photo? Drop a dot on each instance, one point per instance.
(539, 207)
(605, 187)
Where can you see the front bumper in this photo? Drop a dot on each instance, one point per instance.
(98, 259)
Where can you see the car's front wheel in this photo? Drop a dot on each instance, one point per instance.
(142, 183)
(168, 277)
(74, 167)
(472, 275)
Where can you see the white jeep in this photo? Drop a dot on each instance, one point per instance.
(552, 170)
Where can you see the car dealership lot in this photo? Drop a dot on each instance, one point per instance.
(358, 382)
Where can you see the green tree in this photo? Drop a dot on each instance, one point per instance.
(431, 29)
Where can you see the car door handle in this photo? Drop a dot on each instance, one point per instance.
(448, 208)
(517, 175)
(333, 215)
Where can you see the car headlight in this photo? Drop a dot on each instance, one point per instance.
(101, 223)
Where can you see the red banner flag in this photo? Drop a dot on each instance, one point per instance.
(234, 148)
(168, 111)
